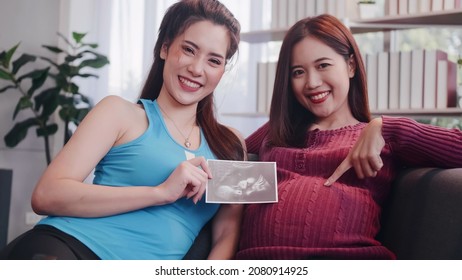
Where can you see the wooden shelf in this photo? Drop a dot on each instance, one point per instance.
(440, 18)
(389, 23)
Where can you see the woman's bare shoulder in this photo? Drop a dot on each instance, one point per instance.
(118, 107)
(115, 102)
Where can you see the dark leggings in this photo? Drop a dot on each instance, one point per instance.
(45, 242)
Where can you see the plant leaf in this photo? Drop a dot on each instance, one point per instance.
(48, 130)
(70, 58)
(65, 100)
(19, 132)
(33, 74)
(3, 59)
(93, 46)
(96, 54)
(21, 61)
(78, 36)
(88, 75)
(53, 49)
(38, 80)
(6, 58)
(5, 75)
(64, 69)
(48, 101)
(97, 62)
(73, 88)
(23, 103)
(67, 112)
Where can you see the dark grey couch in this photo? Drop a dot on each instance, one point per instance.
(421, 220)
(423, 217)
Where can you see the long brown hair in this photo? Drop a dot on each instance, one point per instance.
(178, 17)
(289, 120)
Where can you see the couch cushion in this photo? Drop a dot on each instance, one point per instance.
(423, 217)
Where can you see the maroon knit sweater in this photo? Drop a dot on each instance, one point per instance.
(312, 221)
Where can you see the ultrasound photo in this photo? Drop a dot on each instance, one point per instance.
(242, 182)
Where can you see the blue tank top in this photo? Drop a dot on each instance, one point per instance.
(157, 232)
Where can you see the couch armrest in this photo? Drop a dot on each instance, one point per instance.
(423, 216)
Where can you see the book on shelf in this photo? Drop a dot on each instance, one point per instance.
(271, 75)
(262, 86)
(425, 6)
(393, 78)
(417, 76)
(291, 12)
(330, 7)
(382, 80)
(402, 7)
(452, 84)
(351, 9)
(274, 13)
(321, 7)
(371, 75)
(282, 14)
(449, 5)
(430, 76)
(391, 7)
(405, 60)
(340, 9)
(310, 8)
(301, 7)
(437, 5)
(412, 6)
(442, 85)
(446, 85)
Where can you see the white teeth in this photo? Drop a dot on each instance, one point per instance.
(319, 96)
(189, 83)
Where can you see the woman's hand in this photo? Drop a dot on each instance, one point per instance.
(187, 180)
(365, 154)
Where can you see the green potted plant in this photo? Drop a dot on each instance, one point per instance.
(42, 100)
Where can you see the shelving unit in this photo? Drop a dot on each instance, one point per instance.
(383, 24)
(425, 113)
(439, 19)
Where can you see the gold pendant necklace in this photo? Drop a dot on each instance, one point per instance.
(186, 143)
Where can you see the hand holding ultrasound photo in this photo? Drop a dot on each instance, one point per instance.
(242, 182)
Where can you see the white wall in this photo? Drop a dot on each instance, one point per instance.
(34, 23)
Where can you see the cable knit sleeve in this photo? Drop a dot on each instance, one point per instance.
(418, 144)
(255, 140)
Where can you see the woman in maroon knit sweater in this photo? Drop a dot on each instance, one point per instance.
(320, 127)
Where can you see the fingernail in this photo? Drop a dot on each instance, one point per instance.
(327, 183)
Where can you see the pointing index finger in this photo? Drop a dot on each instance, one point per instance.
(342, 168)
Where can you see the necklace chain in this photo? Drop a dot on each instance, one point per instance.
(187, 143)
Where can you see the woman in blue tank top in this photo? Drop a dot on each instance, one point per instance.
(149, 159)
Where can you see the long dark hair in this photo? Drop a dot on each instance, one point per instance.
(289, 120)
(178, 17)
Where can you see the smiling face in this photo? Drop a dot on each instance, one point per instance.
(194, 62)
(320, 79)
